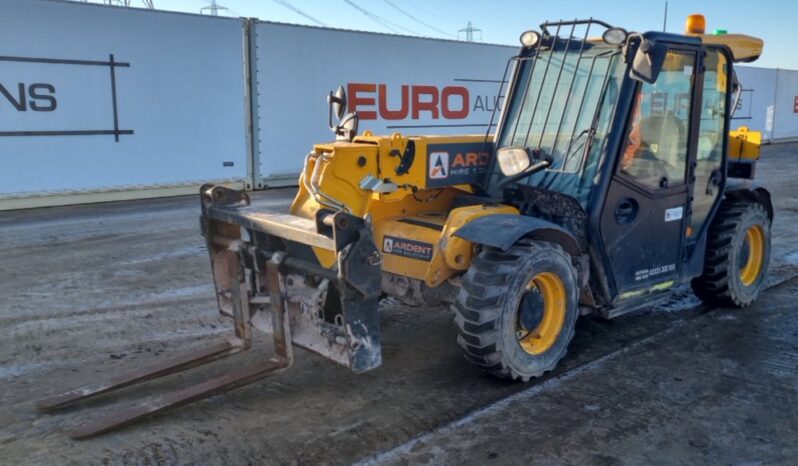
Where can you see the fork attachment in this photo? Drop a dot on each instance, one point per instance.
(264, 262)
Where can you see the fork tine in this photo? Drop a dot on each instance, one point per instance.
(174, 364)
(176, 398)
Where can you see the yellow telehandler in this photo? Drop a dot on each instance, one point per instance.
(611, 178)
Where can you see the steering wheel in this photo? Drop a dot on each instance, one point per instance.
(646, 166)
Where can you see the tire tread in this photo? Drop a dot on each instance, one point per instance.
(713, 286)
(478, 307)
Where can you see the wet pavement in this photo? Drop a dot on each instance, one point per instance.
(718, 388)
(90, 290)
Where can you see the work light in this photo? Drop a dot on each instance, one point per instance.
(615, 36)
(530, 38)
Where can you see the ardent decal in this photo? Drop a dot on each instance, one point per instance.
(407, 248)
(457, 163)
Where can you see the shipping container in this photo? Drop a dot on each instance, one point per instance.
(102, 102)
(755, 108)
(395, 84)
(785, 125)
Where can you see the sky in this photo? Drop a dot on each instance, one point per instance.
(502, 21)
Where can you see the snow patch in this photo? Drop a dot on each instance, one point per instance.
(16, 370)
(180, 252)
(791, 257)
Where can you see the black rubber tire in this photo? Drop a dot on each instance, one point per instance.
(485, 308)
(720, 283)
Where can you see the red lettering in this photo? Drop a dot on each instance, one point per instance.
(428, 106)
(446, 110)
(355, 101)
(387, 114)
(458, 161)
(413, 100)
(471, 159)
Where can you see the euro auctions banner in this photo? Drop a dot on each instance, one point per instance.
(394, 83)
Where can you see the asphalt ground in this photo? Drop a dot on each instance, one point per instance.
(719, 387)
(88, 291)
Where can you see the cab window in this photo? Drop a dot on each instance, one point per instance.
(656, 147)
(711, 136)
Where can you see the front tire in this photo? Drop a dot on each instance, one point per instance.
(737, 255)
(517, 309)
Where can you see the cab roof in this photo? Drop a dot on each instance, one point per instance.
(744, 48)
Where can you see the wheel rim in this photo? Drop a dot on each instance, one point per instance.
(754, 245)
(541, 313)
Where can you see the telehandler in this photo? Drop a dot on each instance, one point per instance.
(612, 177)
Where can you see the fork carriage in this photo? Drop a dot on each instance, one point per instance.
(260, 265)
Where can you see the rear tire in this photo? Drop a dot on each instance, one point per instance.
(737, 255)
(517, 309)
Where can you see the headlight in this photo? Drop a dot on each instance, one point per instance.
(530, 38)
(513, 160)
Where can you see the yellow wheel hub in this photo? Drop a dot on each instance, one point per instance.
(541, 313)
(755, 244)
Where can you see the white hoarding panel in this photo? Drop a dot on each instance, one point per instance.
(755, 108)
(97, 98)
(785, 125)
(405, 84)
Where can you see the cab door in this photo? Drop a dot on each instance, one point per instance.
(708, 173)
(646, 209)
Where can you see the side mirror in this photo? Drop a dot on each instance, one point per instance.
(648, 61)
(346, 129)
(513, 160)
(337, 101)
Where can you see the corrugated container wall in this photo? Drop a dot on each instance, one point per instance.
(100, 103)
(101, 99)
(395, 83)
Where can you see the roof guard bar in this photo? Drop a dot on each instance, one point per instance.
(575, 22)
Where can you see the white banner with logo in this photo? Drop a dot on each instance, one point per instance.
(394, 83)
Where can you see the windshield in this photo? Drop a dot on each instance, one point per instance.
(561, 103)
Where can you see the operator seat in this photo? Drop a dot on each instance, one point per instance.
(661, 152)
(666, 135)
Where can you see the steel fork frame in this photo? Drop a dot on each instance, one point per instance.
(251, 261)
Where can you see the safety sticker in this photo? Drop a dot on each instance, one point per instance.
(407, 248)
(674, 213)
